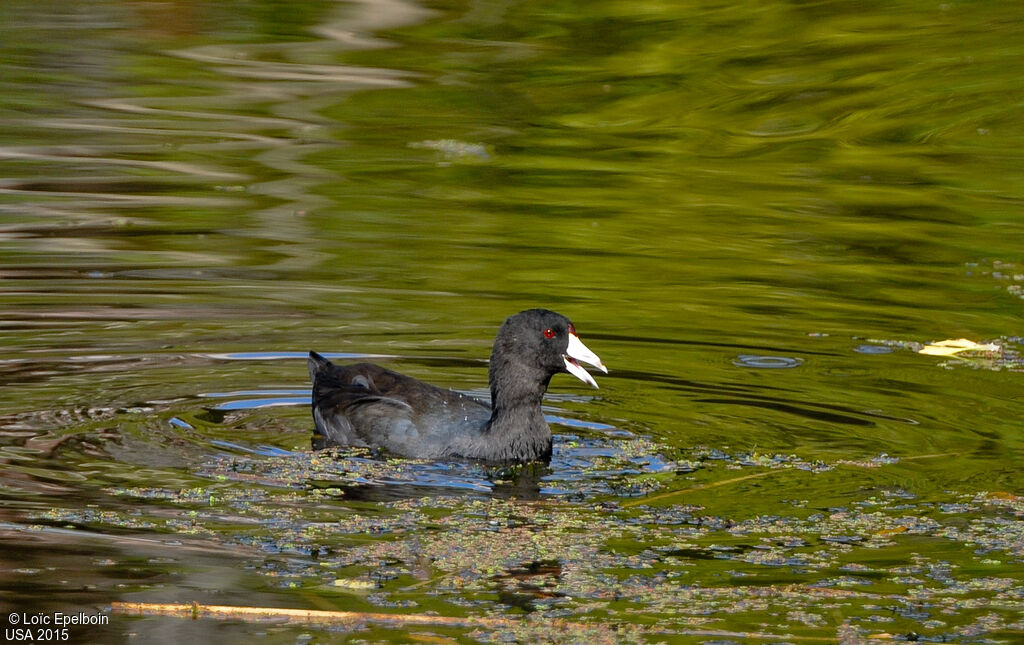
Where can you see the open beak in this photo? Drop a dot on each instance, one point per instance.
(577, 351)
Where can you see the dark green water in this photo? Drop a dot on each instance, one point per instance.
(755, 212)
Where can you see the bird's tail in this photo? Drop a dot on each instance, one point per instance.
(317, 365)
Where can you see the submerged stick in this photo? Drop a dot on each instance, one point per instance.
(931, 456)
(692, 489)
(733, 480)
(196, 611)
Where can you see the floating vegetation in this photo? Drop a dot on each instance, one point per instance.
(454, 150)
(620, 539)
(384, 538)
(1009, 274)
(1003, 353)
(873, 349)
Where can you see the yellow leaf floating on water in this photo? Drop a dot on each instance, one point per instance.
(354, 585)
(951, 347)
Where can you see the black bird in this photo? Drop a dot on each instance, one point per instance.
(367, 405)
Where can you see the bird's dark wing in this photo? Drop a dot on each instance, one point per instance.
(365, 404)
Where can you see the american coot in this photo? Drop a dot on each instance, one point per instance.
(367, 405)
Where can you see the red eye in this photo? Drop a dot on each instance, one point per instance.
(549, 333)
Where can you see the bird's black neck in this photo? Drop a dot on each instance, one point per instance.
(517, 429)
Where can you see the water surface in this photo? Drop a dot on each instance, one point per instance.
(756, 213)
